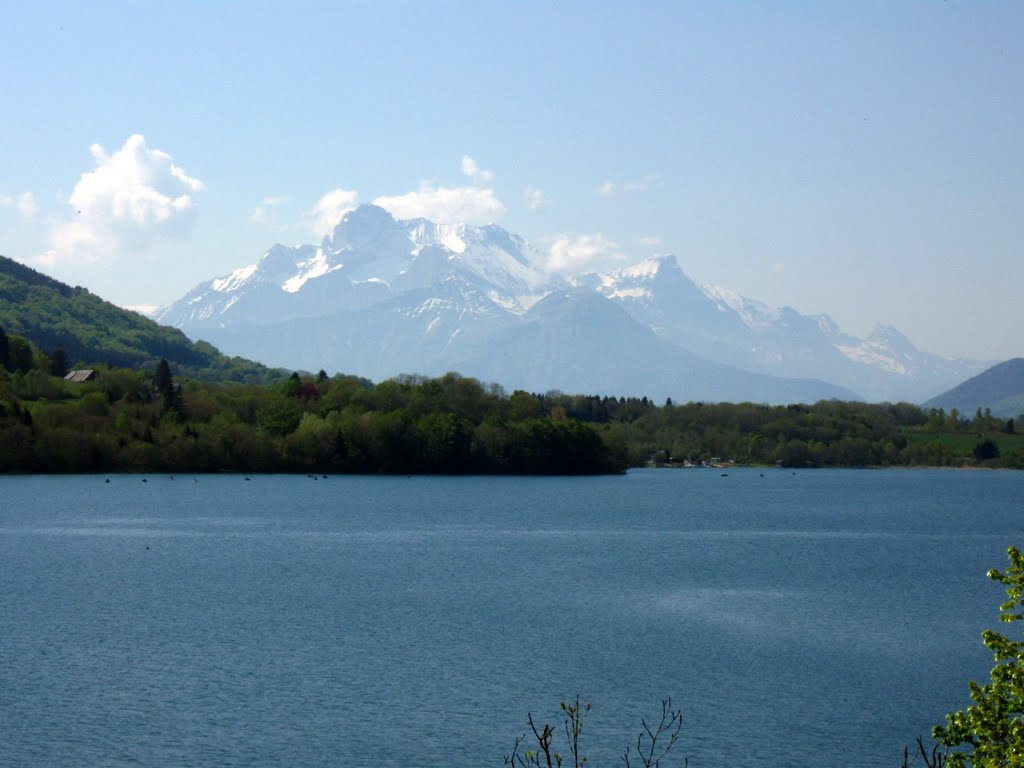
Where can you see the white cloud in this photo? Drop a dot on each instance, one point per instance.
(330, 208)
(573, 254)
(474, 171)
(264, 214)
(445, 205)
(652, 241)
(25, 203)
(129, 202)
(640, 185)
(535, 198)
(609, 188)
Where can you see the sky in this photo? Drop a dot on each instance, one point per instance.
(864, 160)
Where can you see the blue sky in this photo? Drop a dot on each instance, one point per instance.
(861, 159)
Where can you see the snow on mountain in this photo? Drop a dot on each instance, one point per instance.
(427, 331)
(754, 314)
(724, 326)
(380, 296)
(368, 258)
(877, 350)
(657, 292)
(235, 280)
(579, 341)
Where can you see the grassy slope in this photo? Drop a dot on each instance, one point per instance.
(963, 443)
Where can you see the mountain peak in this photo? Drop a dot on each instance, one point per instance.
(643, 280)
(364, 226)
(278, 259)
(650, 267)
(887, 333)
(890, 338)
(753, 314)
(367, 213)
(463, 282)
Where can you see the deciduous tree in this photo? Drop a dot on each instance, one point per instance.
(990, 733)
(20, 354)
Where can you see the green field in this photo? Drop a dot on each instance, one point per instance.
(962, 444)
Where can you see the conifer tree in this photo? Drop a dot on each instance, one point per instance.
(163, 381)
(59, 363)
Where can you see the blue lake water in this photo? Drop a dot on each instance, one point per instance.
(822, 618)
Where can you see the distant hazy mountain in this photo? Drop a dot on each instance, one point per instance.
(380, 297)
(580, 341)
(1000, 388)
(721, 325)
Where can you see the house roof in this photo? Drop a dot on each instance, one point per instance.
(80, 376)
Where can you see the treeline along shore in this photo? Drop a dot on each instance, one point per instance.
(126, 420)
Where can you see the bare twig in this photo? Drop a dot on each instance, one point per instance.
(652, 744)
(934, 758)
(652, 753)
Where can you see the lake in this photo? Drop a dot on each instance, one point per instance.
(816, 618)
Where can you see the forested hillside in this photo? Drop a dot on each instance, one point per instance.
(830, 433)
(1000, 389)
(131, 420)
(90, 331)
(136, 421)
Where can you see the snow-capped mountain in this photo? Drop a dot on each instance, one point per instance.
(724, 326)
(580, 341)
(368, 259)
(381, 296)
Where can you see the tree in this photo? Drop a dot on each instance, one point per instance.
(5, 349)
(166, 388)
(993, 727)
(20, 354)
(162, 380)
(59, 363)
(653, 743)
(281, 416)
(290, 387)
(953, 420)
(986, 450)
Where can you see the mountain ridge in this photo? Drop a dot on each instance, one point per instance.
(372, 269)
(999, 388)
